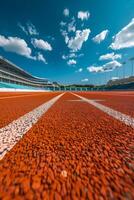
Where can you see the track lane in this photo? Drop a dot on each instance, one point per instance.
(13, 108)
(11, 94)
(14, 131)
(129, 121)
(19, 96)
(75, 151)
(123, 104)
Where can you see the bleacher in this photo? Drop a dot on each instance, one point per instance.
(121, 84)
(13, 77)
(4, 85)
(121, 81)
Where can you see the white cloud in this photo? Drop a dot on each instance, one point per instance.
(62, 23)
(110, 56)
(65, 35)
(69, 56)
(23, 28)
(79, 70)
(114, 78)
(72, 62)
(81, 36)
(110, 66)
(71, 26)
(64, 57)
(83, 15)
(31, 29)
(95, 69)
(41, 44)
(16, 45)
(74, 41)
(125, 38)
(84, 80)
(100, 37)
(66, 12)
(72, 55)
(66, 39)
(40, 57)
(19, 46)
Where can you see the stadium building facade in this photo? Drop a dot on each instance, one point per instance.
(12, 75)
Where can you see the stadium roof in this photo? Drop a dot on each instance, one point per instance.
(18, 69)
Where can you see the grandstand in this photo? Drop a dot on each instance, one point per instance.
(121, 84)
(121, 81)
(12, 76)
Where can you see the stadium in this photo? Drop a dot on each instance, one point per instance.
(13, 77)
(67, 100)
(54, 136)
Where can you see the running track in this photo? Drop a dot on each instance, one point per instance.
(67, 146)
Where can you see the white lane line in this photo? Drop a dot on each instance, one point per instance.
(110, 94)
(115, 114)
(119, 95)
(17, 96)
(13, 132)
(77, 100)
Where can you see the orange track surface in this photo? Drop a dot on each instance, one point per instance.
(11, 109)
(120, 101)
(75, 151)
(5, 94)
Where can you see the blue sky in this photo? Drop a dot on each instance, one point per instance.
(68, 41)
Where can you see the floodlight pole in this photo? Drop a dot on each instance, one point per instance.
(132, 66)
(110, 75)
(132, 63)
(105, 77)
(124, 71)
(117, 72)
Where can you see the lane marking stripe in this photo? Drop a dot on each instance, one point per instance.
(117, 95)
(115, 114)
(13, 132)
(25, 95)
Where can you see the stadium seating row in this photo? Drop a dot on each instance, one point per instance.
(128, 86)
(16, 86)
